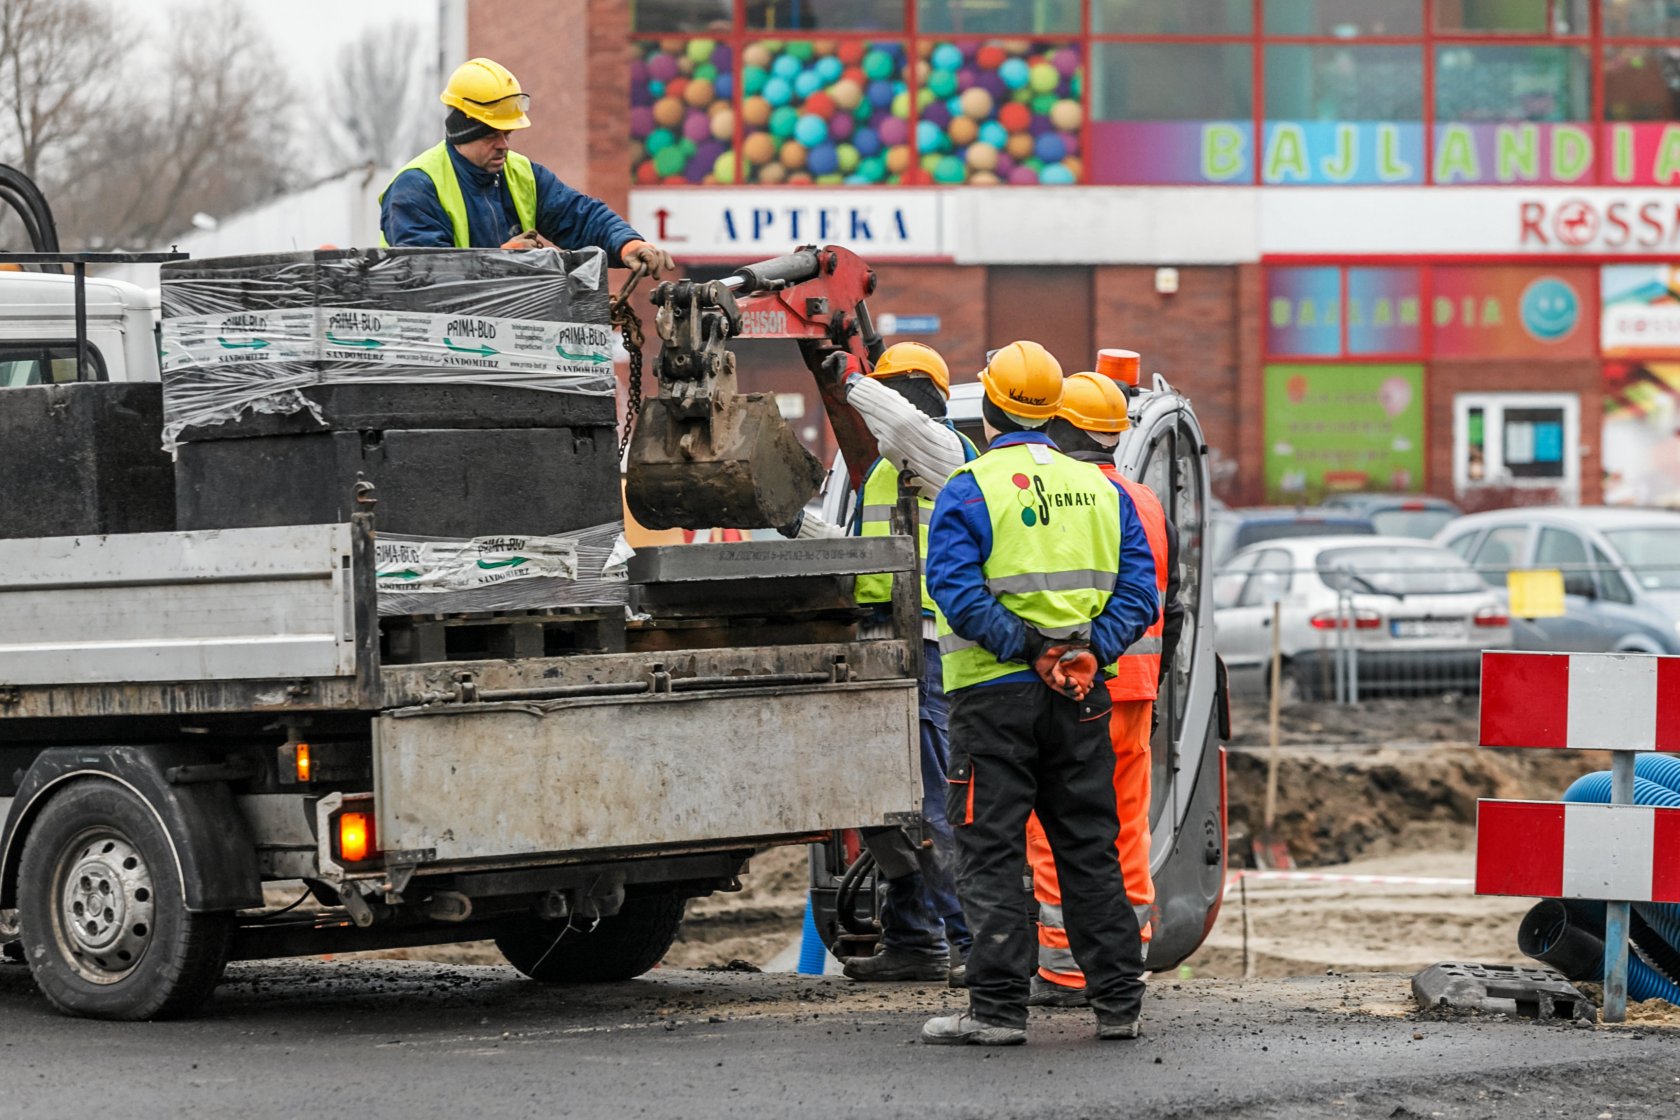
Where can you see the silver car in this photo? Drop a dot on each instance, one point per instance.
(1621, 572)
(1415, 614)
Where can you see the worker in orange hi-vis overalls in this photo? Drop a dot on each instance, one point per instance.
(1088, 426)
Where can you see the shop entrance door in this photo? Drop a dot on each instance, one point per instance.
(1048, 305)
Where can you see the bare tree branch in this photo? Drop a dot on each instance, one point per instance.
(380, 98)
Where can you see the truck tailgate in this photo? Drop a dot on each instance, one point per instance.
(478, 782)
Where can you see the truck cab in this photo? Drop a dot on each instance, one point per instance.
(38, 330)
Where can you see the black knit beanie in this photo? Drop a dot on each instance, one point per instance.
(458, 128)
(919, 391)
(1071, 439)
(1001, 420)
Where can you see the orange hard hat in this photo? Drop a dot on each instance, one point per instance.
(1093, 403)
(1024, 379)
(904, 358)
(1121, 365)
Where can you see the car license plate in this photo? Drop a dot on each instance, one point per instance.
(1426, 628)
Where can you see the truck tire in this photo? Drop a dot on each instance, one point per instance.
(104, 927)
(620, 947)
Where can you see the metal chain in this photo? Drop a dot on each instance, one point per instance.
(629, 324)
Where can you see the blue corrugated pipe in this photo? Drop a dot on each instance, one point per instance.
(813, 954)
(1656, 781)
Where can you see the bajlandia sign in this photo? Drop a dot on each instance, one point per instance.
(1379, 152)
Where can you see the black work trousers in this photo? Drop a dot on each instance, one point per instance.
(1017, 747)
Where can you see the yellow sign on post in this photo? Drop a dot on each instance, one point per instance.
(1536, 594)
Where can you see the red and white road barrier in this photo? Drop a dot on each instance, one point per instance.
(1548, 849)
(1618, 853)
(1587, 701)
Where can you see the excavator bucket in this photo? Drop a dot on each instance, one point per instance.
(735, 465)
(705, 456)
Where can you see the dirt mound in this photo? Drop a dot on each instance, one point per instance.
(1337, 804)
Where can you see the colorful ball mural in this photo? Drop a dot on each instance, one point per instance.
(682, 120)
(814, 111)
(1003, 111)
(835, 111)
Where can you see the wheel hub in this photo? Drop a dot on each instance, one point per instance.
(106, 906)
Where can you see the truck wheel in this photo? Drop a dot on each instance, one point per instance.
(617, 948)
(99, 903)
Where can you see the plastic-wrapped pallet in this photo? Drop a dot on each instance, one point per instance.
(474, 389)
(365, 339)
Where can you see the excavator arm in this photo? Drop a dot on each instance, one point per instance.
(703, 454)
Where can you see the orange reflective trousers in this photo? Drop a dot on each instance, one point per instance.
(1129, 731)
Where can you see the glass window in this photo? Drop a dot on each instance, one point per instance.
(1653, 554)
(1641, 19)
(1568, 553)
(1641, 83)
(1533, 442)
(1344, 19)
(1384, 312)
(1500, 551)
(1420, 523)
(1611, 585)
(1172, 82)
(973, 129)
(1526, 17)
(1337, 83)
(1571, 17)
(1270, 581)
(1228, 584)
(1511, 83)
(45, 363)
(995, 17)
(682, 129)
(825, 112)
(681, 15)
(1303, 311)
(1402, 571)
(1461, 543)
(1171, 17)
(834, 15)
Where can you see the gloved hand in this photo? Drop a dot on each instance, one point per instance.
(791, 529)
(839, 367)
(1065, 665)
(530, 239)
(652, 258)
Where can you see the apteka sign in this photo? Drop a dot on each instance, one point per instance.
(745, 224)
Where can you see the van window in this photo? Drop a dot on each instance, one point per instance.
(45, 363)
(1611, 585)
(1500, 551)
(1566, 552)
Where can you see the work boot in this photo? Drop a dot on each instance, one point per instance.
(1047, 993)
(963, 1029)
(897, 964)
(1113, 1031)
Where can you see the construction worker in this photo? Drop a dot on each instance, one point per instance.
(1087, 427)
(902, 401)
(471, 191)
(1042, 574)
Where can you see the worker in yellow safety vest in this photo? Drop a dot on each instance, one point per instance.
(1042, 574)
(902, 401)
(1087, 427)
(472, 191)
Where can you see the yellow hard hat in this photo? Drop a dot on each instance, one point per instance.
(1093, 403)
(487, 91)
(914, 357)
(1023, 379)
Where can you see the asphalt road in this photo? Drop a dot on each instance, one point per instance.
(368, 1040)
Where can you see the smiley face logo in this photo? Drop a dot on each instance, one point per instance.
(1549, 309)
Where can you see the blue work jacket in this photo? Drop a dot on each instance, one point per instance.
(412, 216)
(960, 540)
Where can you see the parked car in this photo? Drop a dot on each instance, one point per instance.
(1398, 515)
(1621, 572)
(1230, 530)
(1417, 615)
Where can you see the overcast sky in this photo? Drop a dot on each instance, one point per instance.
(306, 34)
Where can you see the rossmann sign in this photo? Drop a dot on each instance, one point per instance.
(1469, 221)
(1615, 224)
